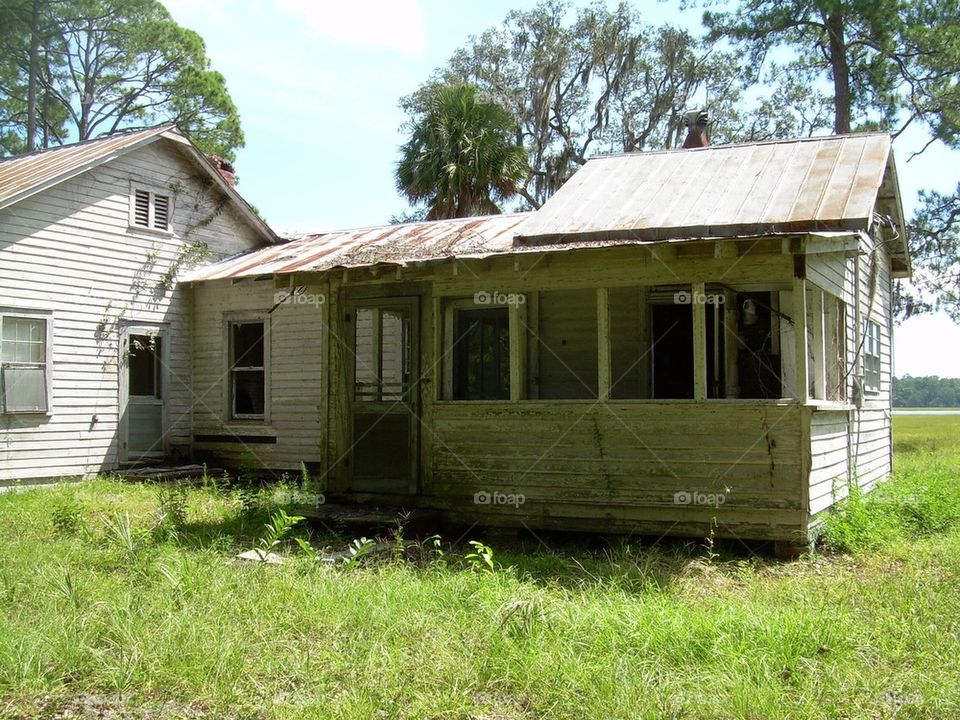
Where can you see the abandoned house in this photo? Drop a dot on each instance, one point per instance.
(675, 341)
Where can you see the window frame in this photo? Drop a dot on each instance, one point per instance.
(153, 191)
(47, 318)
(871, 355)
(230, 414)
(516, 321)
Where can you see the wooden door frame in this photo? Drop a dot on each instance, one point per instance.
(126, 329)
(413, 403)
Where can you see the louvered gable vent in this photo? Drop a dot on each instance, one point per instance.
(141, 209)
(151, 209)
(161, 212)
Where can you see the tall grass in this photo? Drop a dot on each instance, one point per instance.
(100, 610)
(922, 497)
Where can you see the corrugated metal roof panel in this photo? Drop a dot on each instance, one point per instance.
(384, 244)
(22, 175)
(794, 185)
(813, 185)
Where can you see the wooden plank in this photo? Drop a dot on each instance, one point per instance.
(819, 342)
(801, 383)
(643, 333)
(698, 297)
(731, 345)
(604, 372)
(518, 350)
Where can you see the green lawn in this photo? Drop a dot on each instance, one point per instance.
(124, 601)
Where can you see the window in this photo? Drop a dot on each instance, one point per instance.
(871, 356)
(23, 361)
(247, 370)
(382, 356)
(481, 354)
(150, 209)
(144, 366)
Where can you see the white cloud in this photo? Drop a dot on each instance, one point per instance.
(391, 24)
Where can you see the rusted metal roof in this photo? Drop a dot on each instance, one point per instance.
(383, 244)
(813, 186)
(825, 183)
(22, 176)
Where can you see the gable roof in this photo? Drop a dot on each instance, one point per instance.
(383, 244)
(23, 176)
(811, 184)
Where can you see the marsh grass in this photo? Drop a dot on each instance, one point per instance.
(99, 610)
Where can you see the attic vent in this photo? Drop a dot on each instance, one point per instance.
(150, 209)
(141, 209)
(161, 211)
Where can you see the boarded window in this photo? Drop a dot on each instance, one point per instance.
(628, 344)
(871, 356)
(23, 355)
(150, 209)
(247, 370)
(566, 344)
(481, 354)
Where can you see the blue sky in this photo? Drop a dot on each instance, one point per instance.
(317, 84)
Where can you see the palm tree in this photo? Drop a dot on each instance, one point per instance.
(460, 158)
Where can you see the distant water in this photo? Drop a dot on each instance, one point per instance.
(925, 411)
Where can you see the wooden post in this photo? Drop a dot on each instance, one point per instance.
(604, 373)
(802, 387)
(533, 345)
(448, 334)
(643, 332)
(435, 359)
(731, 345)
(697, 298)
(518, 350)
(817, 330)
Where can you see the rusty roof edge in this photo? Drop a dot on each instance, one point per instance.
(82, 167)
(667, 234)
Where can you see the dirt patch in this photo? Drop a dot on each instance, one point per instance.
(104, 707)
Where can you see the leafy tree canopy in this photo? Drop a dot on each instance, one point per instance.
(76, 69)
(590, 80)
(460, 158)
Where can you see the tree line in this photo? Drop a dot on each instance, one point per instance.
(926, 392)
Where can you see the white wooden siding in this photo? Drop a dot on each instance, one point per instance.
(70, 250)
(295, 377)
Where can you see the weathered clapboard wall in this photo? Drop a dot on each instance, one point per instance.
(854, 445)
(70, 250)
(649, 467)
(292, 431)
